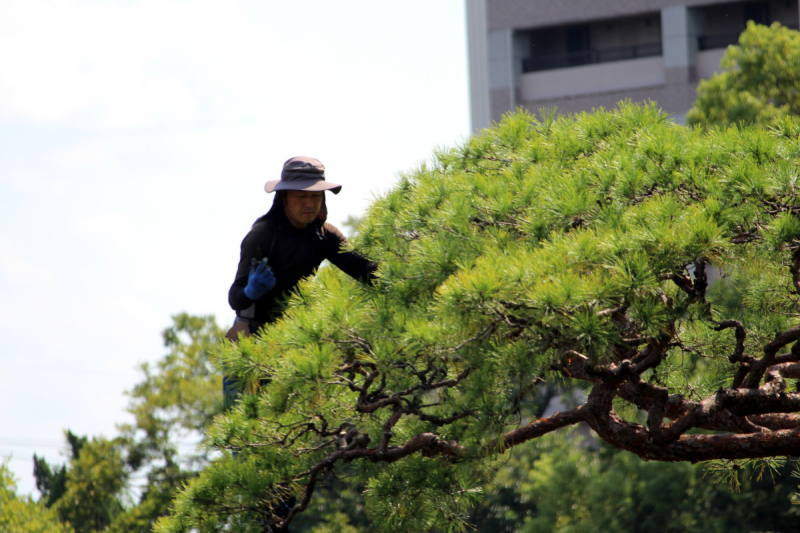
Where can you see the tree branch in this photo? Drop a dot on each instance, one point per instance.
(537, 428)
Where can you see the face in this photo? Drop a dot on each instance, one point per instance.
(301, 207)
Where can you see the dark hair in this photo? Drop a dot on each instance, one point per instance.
(277, 202)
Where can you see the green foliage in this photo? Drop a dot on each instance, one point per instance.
(94, 482)
(727, 471)
(52, 482)
(563, 483)
(181, 394)
(759, 84)
(172, 405)
(536, 245)
(338, 507)
(421, 494)
(20, 514)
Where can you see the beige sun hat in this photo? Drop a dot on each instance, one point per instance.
(302, 174)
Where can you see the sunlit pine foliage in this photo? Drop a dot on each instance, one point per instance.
(542, 249)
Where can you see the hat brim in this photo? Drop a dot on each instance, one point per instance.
(302, 185)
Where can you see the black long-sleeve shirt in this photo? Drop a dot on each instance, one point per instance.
(293, 254)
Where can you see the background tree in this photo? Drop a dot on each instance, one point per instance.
(94, 483)
(20, 514)
(172, 405)
(760, 82)
(52, 482)
(562, 483)
(351, 225)
(569, 248)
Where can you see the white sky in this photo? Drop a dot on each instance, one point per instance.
(135, 139)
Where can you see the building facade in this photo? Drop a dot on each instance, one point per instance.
(580, 54)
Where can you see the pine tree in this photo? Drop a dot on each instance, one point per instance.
(559, 248)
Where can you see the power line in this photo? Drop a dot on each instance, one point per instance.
(15, 458)
(60, 369)
(32, 442)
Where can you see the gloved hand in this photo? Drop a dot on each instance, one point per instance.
(260, 281)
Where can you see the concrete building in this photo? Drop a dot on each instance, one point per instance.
(580, 54)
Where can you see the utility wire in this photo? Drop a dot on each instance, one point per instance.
(15, 458)
(25, 443)
(49, 369)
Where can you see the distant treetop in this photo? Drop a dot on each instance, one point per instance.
(760, 83)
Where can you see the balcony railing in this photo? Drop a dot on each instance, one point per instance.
(589, 57)
(723, 40)
(709, 42)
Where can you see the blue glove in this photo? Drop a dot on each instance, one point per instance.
(260, 281)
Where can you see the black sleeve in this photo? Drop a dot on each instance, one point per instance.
(351, 263)
(249, 250)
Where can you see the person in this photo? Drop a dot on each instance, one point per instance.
(286, 245)
(283, 247)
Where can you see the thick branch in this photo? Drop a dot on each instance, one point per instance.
(644, 395)
(537, 428)
(438, 420)
(741, 335)
(698, 416)
(388, 425)
(770, 350)
(795, 270)
(694, 448)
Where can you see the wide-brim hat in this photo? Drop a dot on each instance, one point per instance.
(302, 174)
